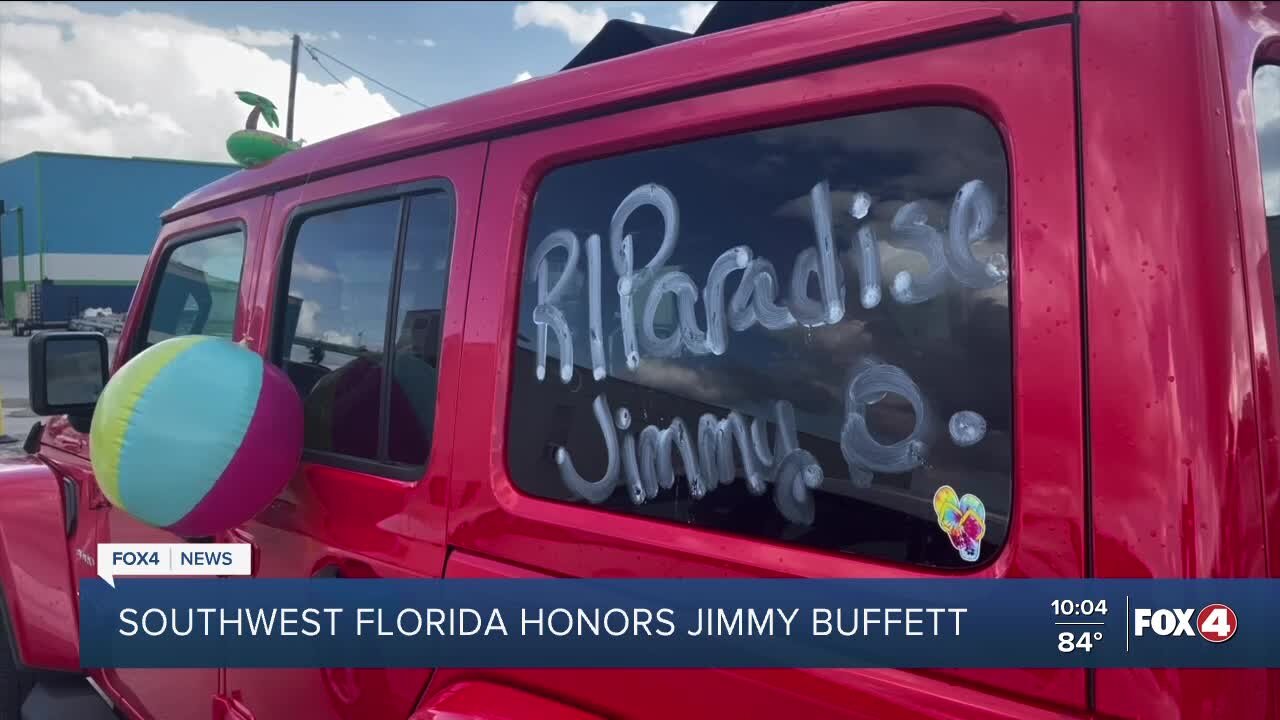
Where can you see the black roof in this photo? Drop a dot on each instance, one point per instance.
(622, 37)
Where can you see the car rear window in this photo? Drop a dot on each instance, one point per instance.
(798, 334)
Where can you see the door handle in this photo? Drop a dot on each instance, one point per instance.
(333, 568)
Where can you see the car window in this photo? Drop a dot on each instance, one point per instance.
(418, 322)
(799, 334)
(368, 394)
(1266, 105)
(198, 289)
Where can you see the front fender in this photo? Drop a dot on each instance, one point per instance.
(35, 573)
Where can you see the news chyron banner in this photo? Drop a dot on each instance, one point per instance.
(132, 618)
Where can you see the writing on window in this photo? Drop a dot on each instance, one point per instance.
(800, 333)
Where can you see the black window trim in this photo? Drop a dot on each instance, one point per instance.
(404, 193)
(171, 246)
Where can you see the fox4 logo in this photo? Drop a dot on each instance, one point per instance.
(1215, 623)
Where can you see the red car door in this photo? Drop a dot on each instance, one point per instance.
(199, 282)
(1251, 65)
(361, 302)
(613, 302)
(1183, 408)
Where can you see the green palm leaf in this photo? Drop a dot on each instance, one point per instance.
(264, 106)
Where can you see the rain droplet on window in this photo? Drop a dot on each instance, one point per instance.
(967, 428)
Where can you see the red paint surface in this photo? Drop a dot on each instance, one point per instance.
(161, 694)
(1249, 36)
(489, 516)
(1183, 414)
(36, 576)
(701, 694)
(1176, 472)
(487, 701)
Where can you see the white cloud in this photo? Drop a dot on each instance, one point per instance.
(340, 338)
(691, 15)
(373, 37)
(309, 271)
(524, 75)
(266, 38)
(259, 38)
(154, 84)
(66, 14)
(307, 312)
(54, 12)
(637, 18)
(579, 25)
(427, 42)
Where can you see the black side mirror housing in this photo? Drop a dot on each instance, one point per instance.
(66, 372)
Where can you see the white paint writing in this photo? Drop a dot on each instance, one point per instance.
(547, 313)
(648, 465)
(911, 231)
(872, 383)
(972, 215)
(595, 326)
(967, 428)
(755, 299)
(646, 460)
(622, 249)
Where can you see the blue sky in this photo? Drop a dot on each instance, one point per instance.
(159, 79)
(477, 45)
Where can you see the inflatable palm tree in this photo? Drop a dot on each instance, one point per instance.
(252, 147)
(262, 107)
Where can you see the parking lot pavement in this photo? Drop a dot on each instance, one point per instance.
(18, 417)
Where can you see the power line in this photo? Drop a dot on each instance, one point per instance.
(324, 67)
(312, 50)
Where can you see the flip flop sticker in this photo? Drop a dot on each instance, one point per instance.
(963, 518)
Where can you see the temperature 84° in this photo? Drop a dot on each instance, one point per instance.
(1069, 642)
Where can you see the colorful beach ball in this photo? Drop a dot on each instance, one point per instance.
(196, 435)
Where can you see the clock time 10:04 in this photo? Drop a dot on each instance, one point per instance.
(1082, 607)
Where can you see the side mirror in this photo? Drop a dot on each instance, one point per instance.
(66, 373)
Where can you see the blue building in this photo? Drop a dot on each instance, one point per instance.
(84, 225)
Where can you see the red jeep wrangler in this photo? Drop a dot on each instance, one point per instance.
(533, 329)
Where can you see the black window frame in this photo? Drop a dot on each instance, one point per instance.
(277, 353)
(179, 240)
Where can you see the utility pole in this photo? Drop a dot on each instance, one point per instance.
(2, 315)
(293, 87)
